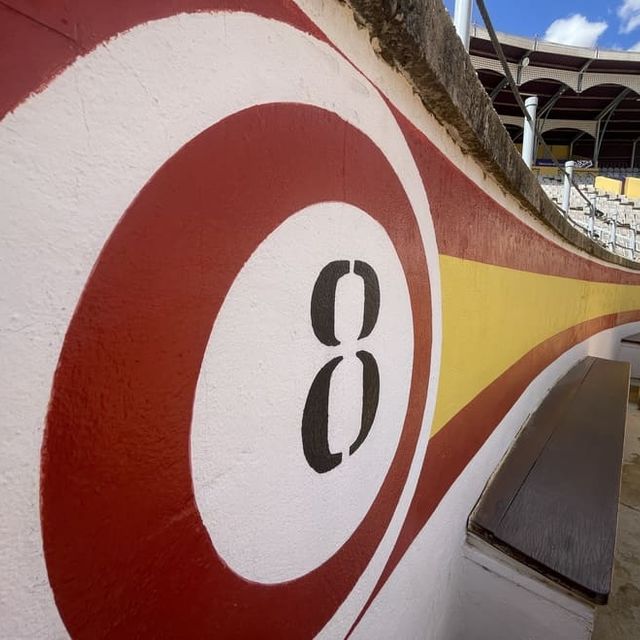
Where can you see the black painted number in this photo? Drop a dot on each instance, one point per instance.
(315, 418)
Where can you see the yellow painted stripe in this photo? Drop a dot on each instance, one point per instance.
(609, 185)
(632, 187)
(492, 316)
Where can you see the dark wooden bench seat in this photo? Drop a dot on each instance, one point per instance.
(634, 339)
(553, 503)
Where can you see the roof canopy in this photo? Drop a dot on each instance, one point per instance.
(589, 99)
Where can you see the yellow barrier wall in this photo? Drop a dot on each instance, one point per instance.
(632, 187)
(609, 185)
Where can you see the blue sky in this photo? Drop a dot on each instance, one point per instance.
(608, 24)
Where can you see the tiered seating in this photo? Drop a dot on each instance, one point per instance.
(617, 216)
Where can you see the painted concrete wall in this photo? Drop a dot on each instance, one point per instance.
(609, 185)
(632, 187)
(267, 328)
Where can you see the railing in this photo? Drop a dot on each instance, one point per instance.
(622, 232)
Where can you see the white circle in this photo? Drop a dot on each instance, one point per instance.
(73, 158)
(270, 516)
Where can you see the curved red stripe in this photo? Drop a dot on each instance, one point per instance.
(126, 551)
(470, 224)
(39, 40)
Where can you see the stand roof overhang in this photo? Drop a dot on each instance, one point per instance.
(583, 93)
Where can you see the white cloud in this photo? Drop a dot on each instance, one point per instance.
(635, 47)
(629, 14)
(577, 30)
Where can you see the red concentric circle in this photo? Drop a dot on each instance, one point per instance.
(126, 550)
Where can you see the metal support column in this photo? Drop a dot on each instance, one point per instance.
(633, 153)
(614, 233)
(596, 146)
(529, 142)
(602, 126)
(566, 194)
(498, 88)
(462, 21)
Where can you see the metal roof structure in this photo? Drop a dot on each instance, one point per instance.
(589, 99)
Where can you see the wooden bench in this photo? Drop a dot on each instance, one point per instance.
(634, 339)
(553, 503)
(630, 352)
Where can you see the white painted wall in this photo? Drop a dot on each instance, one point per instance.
(74, 156)
(630, 353)
(502, 600)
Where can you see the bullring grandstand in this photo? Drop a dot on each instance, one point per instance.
(588, 112)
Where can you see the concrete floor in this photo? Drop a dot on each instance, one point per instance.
(620, 619)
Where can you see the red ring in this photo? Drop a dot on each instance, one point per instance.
(127, 553)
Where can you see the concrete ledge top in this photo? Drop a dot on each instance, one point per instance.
(418, 38)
